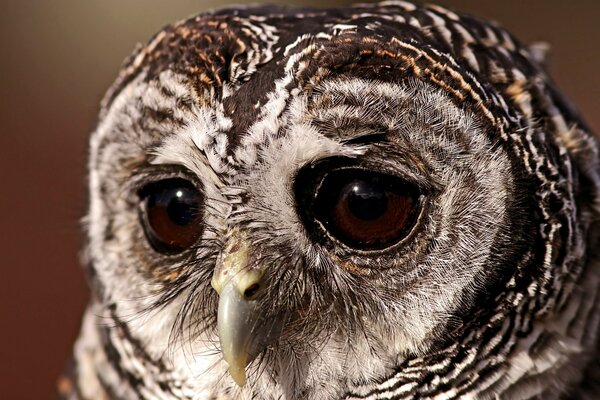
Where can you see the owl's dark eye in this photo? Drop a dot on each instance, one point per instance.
(363, 209)
(171, 214)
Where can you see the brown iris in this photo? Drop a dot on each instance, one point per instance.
(369, 213)
(170, 214)
(363, 209)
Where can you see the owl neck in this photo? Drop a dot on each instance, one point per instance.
(511, 354)
(111, 364)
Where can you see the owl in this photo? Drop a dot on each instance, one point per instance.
(382, 201)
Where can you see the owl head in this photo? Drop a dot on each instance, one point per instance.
(379, 201)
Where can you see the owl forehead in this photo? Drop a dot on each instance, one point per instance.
(241, 57)
(246, 65)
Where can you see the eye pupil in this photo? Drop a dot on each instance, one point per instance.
(182, 207)
(366, 200)
(171, 214)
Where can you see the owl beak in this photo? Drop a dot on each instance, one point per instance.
(244, 332)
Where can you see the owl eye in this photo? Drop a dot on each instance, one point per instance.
(171, 214)
(363, 209)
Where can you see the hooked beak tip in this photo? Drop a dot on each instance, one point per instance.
(238, 375)
(244, 332)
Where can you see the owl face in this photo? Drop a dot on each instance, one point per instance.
(300, 209)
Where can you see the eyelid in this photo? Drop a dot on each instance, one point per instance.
(143, 176)
(425, 183)
(366, 139)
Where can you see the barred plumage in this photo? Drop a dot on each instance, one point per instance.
(480, 280)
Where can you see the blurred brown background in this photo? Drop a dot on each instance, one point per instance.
(56, 59)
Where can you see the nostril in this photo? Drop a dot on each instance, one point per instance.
(251, 290)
